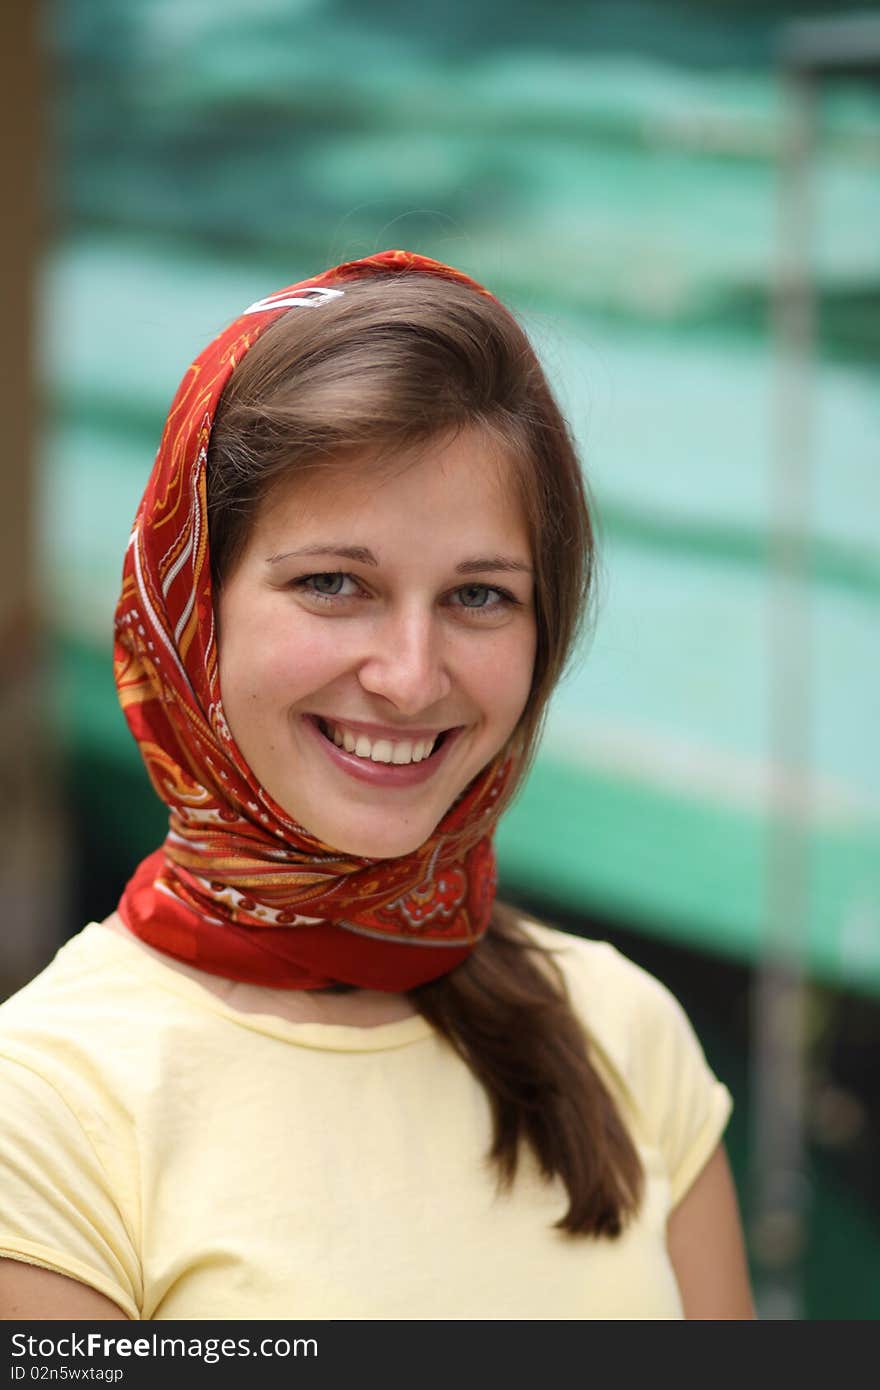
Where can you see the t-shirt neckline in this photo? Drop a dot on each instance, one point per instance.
(341, 1037)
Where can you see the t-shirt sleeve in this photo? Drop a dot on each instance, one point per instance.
(684, 1106)
(56, 1204)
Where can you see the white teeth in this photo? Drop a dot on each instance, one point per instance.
(383, 750)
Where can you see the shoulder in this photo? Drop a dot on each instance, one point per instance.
(88, 964)
(646, 1050)
(620, 1003)
(86, 997)
(81, 1043)
(66, 1039)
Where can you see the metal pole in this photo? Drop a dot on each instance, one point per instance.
(779, 1206)
(841, 48)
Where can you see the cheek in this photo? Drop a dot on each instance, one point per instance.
(289, 665)
(504, 675)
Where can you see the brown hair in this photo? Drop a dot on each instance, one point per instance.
(395, 362)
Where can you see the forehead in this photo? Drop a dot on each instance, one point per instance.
(458, 484)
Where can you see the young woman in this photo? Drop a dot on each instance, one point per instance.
(310, 1067)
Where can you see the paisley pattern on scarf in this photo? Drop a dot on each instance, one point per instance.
(238, 888)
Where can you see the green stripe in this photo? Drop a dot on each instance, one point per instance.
(687, 870)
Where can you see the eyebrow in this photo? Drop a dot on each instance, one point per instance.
(362, 556)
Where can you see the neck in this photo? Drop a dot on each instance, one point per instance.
(337, 1004)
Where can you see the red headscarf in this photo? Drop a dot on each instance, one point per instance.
(238, 888)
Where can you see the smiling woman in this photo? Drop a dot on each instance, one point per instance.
(400, 655)
(312, 1067)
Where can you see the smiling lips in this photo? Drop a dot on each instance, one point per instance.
(379, 759)
(378, 748)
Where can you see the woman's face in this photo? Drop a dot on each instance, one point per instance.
(385, 612)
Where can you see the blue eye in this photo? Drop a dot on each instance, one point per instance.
(320, 579)
(486, 601)
(472, 598)
(484, 590)
(327, 585)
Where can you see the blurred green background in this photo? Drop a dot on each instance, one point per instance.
(611, 170)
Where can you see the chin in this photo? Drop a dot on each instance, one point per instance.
(370, 841)
(372, 846)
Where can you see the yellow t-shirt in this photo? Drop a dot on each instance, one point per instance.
(191, 1161)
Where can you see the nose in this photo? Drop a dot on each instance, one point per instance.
(406, 664)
